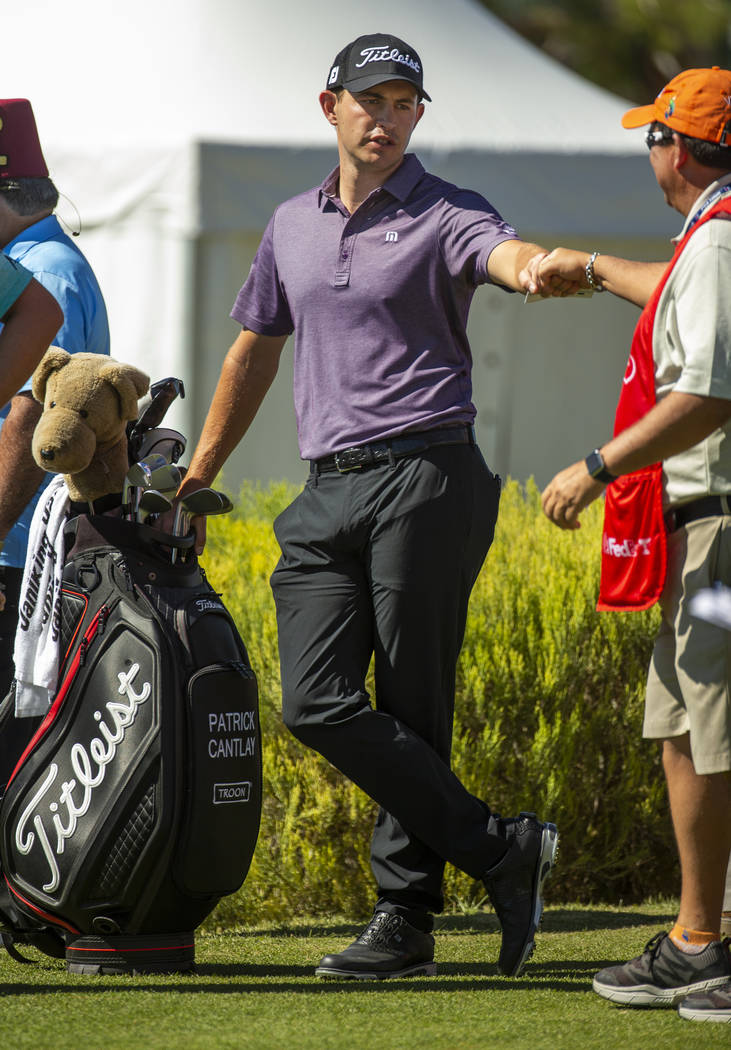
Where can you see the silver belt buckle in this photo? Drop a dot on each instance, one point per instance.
(350, 459)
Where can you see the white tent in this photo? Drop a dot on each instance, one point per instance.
(176, 127)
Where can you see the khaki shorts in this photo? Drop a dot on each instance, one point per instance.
(690, 670)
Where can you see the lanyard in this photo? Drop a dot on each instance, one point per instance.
(720, 192)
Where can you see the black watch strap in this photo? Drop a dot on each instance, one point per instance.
(595, 465)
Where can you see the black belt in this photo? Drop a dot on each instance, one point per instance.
(705, 507)
(394, 448)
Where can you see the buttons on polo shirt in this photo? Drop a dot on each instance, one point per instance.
(342, 270)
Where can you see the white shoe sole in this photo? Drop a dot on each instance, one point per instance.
(705, 1015)
(650, 995)
(421, 969)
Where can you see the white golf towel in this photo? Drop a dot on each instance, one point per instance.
(37, 639)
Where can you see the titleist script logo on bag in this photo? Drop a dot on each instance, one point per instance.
(626, 548)
(89, 765)
(382, 53)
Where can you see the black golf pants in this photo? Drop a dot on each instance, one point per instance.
(382, 560)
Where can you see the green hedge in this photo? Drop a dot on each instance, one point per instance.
(549, 710)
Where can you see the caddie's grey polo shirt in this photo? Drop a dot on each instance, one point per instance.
(378, 301)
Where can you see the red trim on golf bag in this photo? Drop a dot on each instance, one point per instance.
(135, 951)
(46, 916)
(55, 707)
(80, 597)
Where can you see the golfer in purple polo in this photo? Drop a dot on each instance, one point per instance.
(374, 272)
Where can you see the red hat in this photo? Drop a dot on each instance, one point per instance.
(20, 150)
(697, 103)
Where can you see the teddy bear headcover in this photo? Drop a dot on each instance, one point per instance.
(87, 401)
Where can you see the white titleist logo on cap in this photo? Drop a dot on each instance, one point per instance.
(384, 54)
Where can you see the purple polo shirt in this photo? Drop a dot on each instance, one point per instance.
(378, 302)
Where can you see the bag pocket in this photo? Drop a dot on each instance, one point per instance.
(223, 785)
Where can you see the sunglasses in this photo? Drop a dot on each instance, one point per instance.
(658, 137)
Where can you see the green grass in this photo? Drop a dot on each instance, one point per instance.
(254, 989)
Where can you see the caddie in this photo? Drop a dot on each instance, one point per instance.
(374, 272)
(667, 527)
(31, 234)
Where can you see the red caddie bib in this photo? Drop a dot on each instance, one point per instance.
(634, 540)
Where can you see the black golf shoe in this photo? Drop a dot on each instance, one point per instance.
(515, 887)
(388, 947)
(663, 974)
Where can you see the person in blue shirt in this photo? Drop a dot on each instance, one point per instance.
(30, 318)
(31, 235)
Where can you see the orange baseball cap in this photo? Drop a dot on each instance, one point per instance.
(697, 102)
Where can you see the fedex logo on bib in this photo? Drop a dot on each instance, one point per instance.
(615, 548)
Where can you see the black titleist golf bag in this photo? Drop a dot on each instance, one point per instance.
(136, 805)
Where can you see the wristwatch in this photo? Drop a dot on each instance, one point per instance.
(595, 466)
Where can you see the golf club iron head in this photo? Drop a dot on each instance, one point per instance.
(165, 479)
(138, 476)
(152, 502)
(204, 502)
(141, 472)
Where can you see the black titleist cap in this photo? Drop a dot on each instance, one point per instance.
(371, 59)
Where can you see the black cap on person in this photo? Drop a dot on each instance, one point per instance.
(372, 59)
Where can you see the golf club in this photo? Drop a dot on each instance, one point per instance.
(140, 475)
(169, 443)
(204, 502)
(152, 502)
(162, 395)
(165, 479)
